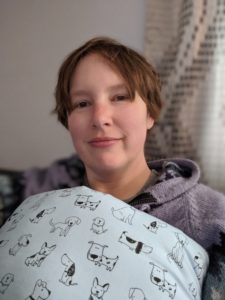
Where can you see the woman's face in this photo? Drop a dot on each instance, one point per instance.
(108, 129)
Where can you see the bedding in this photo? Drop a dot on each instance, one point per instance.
(77, 243)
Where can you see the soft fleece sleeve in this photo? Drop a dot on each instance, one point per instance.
(209, 224)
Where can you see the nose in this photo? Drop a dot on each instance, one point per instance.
(102, 115)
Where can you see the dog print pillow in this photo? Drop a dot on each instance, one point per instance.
(81, 244)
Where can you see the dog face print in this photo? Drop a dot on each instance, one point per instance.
(5, 282)
(39, 200)
(177, 252)
(108, 262)
(136, 294)
(193, 290)
(157, 275)
(98, 225)
(198, 265)
(81, 201)
(169, 288)
(158, 278)
(65, 193)
(38, 258)
(23, 241)
(84, 201)
(69, 271)
(95, 252)
(65, 227)
(92, 205)
(14, 219)
(97, 290)
(40, 291)
(134, 245)
(3, 243)
(155, 225)
(96, 255)
(41, 214)
(124, 214)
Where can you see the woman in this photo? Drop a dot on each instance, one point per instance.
(108, 96)
(108, 127)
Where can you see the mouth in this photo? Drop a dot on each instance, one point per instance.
(102, 142)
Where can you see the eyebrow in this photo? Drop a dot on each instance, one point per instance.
(117, 87)
(110, 89)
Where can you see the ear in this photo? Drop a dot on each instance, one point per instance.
(150, 122)
(44, 245)
(95, 281)
(105, 287)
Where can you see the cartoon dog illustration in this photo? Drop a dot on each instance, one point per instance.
(13, 220)
(98, 225)
(92, 205)
(5, 282)
(83, 201)
(40, 291)
(136, 246)
(65, 227)
(97, 290)
(65, 193)
(38, 258)
(3, 243)
(95, 252)
(96, 255)
(158, 278)
(177, 253)
(23, 241)
(136, 294)
(108, 262)
(198, 265)
(124, 214)
(169, 288)
(193, 290)
(39, 201)
(155, 225)
(157, 275)
(69, 272)
(41, 214)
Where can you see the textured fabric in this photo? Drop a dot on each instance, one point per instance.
(185, 41)
(91, 240)
(177, 199)
(16, 186)
(11, 192)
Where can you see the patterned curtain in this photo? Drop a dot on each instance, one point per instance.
(185, 41)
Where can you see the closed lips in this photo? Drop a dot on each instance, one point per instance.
(105, 141)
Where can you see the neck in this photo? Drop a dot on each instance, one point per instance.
(123, 185)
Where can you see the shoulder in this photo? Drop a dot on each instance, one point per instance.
(206, 214)
(207, 198)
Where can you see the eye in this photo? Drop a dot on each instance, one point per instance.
(122, 97)
(81, 104)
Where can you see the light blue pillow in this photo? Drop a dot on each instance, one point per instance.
(82, 244)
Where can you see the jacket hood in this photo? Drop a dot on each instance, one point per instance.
(176, 176)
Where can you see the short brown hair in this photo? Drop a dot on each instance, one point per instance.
(139, 75)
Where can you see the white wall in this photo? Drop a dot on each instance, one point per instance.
(35, 36)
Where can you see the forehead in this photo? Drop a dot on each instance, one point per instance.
(94, 59)
(96, 68)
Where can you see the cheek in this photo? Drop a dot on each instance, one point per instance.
(137, 121)
(75, 128)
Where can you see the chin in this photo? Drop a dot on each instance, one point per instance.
(108, 166)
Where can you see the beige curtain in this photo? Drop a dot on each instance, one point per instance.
(185, 41)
